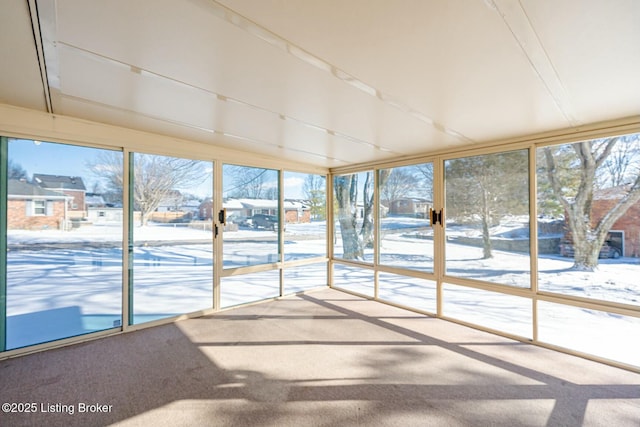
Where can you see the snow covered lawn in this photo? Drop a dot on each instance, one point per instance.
(76, 278)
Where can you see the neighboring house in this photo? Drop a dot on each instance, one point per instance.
(625, 232)
(104, 214)
(624, 235)
(192, 207)
(100, 212)
(296, 211)
(246, 208)
(205, 210)
(94, 200)
(409, 206)
(171, 202)
(31, 207)
(72, 186)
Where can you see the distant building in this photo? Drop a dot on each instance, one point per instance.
(171, 202)
(31, 207)
(295, 211)
(94, 200)
(410, 206)
(71, 186)
(625, 232)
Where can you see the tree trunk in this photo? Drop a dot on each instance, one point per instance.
(366, 232)
(486, 238)
(586, 256)
(346, 192)
(351, 244)
(586, 243)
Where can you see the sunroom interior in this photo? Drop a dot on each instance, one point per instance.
(460, 160)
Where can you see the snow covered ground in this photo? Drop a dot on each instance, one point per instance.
(67, 283)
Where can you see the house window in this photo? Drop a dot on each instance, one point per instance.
(39, 207)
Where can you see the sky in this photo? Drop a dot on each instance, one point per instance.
(70, 160)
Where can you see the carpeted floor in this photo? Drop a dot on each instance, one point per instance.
(321, 359)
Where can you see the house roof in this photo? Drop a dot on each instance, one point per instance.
(22, 189)
(59, 181)
(612, 193)
(94, 200)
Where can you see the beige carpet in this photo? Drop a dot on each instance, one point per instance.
(321, 359)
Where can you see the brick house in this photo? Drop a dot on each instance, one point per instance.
(294, 211)
(72, 186)
(627, 227)
(31, 207)
(410, 206)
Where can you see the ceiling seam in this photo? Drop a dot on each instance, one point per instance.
(37, 39)
(138, 70)
(200, 128)
(548, 79)
(268, 36)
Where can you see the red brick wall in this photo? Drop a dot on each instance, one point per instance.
(629, 223)
(17, 218)
(291, 216)
(78, 200)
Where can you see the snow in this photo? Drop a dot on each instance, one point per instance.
(65, 283)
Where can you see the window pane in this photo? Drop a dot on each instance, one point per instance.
(487, 218)
(253, 221)
(406, 238)
(355, 279)
(589, 219)
(305, 213)
(305, 277)
(246, 288)
(409, 291)
(593, 332)
(354, 219)
(505, 313)
(64, 264)
(172, 248)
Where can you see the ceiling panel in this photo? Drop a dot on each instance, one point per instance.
(595, 51)
(197, 54)
(457, 62)
(21, 83)
(327, 83)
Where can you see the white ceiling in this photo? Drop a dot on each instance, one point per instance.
(326, 82)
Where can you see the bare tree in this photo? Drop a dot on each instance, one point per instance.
(346, 194)
(486, 188)
(621, 165)
(314, 188)
(573, 180)
(248, 182)
(155, 178)
(346, 197)
(400, 183)
(16, 171)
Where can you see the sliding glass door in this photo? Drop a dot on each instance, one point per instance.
(64, 242)
(171, 267)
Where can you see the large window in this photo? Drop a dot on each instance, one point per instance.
(412, 292)
(250, 198)
(589, 219)
(487, 218)
(305, 215)
(353, 218)
(500, 312)
(64, 262)
(172, 269)
(406, 237)
(247, 288)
